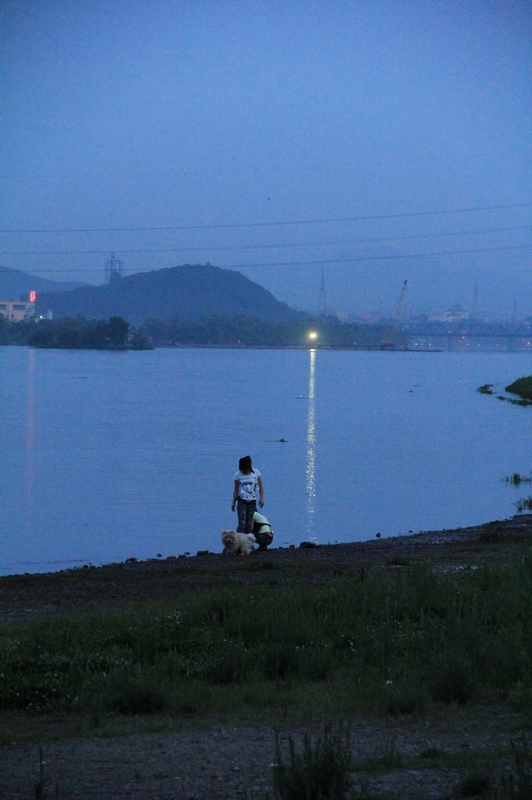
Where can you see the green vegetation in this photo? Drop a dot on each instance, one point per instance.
(251, 331)
(74, 333)
(523, 401)
(323, 769)
(522, 387)
(393, 642)
(79, 333)
(516, 479)
(320, 772)
(239, 331)
(15, 332)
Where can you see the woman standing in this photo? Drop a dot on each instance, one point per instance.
(246, 482)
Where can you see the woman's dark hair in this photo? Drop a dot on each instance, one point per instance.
(244, 464)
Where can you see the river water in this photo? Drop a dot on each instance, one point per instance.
(106, 456)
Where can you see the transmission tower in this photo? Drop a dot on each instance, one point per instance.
(474, 305)
(114, 269)
(322, 301)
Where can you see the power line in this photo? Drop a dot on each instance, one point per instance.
(262, 246)
(266, 224)
(355, 259)
(382, 258)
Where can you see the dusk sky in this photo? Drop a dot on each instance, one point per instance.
(378, 141)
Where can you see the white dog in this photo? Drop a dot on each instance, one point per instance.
(239, 543)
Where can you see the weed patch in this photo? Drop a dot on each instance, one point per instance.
(516, 479)
(135, 698)
(320, 770)
(525, 504)
(491, 532)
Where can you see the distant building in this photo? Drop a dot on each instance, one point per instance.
(17, 310)
(456, 313)
(367, 319)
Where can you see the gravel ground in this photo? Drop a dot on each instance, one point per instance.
(223, 761)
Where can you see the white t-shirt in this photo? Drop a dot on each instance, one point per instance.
(247, 485)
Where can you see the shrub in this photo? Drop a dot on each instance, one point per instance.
(135, 698)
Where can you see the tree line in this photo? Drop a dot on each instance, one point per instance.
(240, 331)
(75, 333)
(251, 331)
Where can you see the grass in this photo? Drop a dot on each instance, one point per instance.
(393, 642)
(320, 770)
(516, 479)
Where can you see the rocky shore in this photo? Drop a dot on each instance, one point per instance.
(85, 589)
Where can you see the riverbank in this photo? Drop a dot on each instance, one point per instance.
(86, 589)
(408, 746)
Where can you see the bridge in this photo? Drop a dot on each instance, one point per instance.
(514, 334)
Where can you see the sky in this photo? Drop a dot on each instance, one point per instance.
(370, 142)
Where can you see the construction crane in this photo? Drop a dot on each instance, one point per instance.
(388, 339)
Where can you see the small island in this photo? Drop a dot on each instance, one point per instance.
(522, 387)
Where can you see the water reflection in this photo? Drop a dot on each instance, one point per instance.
(64, 449)
(30, 439)
(311, 449)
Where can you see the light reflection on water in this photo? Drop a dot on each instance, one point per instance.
(29, 481)
(311, 448)
(110, 455)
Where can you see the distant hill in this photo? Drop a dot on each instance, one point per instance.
(188, 292)
(14, 283)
